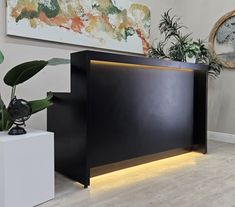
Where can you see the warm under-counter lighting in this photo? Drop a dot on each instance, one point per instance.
(119, 64)
(138, 174)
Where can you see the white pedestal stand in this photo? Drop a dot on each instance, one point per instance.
(26, 168)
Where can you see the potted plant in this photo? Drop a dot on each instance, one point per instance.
(182, 47)
(20, 110)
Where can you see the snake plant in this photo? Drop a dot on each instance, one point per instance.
(18, 75)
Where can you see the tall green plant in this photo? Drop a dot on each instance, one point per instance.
(180, 47)
(18, 75)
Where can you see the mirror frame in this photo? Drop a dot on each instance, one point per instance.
(218, 24)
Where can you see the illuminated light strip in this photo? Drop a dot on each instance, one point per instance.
(109, 63)
(139, 174)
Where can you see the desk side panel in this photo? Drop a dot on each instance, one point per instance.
(200, 111)
(68, 118)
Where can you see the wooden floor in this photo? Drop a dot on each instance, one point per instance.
(189, 180)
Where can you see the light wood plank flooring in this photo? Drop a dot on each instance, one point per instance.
(190, 180)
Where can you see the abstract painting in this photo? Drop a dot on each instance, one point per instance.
(111, 24)
(222, 39)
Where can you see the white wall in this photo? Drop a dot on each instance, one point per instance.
(200, 17)
(18, 50)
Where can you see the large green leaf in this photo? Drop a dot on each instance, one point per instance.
(5, 119)
(23, 72)
(58, 61)
(5, 123)
(27, 70)
(1, 57)
(39, 105)
(2, 106)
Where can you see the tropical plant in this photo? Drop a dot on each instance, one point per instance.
(181, 47)
(18, 75)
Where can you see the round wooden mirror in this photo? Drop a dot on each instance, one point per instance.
(222, 39)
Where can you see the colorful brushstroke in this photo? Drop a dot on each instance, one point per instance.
(91, 18)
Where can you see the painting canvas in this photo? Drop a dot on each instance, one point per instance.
(111, 24)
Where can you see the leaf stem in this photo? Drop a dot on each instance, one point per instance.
(13, 92)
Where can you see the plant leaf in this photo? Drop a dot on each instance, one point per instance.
(2, 106)
(58, 61)
(39, 105)
(23, 72)
(5, 119)
(1, 57)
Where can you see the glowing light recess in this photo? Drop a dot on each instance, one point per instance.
(118, 64)
(139, 174)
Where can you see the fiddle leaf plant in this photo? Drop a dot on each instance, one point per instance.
(18, 75)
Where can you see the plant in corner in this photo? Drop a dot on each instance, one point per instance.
(181, 47)
(18, 75)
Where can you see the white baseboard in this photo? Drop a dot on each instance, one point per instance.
(221, 137)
